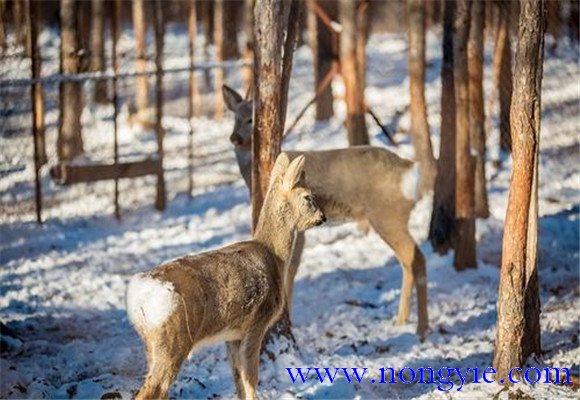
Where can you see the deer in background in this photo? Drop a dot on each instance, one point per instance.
(231, 294)
(370, 185)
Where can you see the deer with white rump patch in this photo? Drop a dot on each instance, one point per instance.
(231, 294)
(367, 184)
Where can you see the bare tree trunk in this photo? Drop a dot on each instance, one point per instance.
(37, 105)
(221, 41)
(19, 15)
(418, 109)
(248, 56)
(230, 30)
(324, 48)
(194, 94)
(160, 133)
(34, 11)
(70, 142)
(433, 12)
(98, 48)
(140, 31)
(518, 327)
(350, 70)
(273, 18)
(476, 110)
(362, 36)
(465, 165)
(207, 25)
(442, 227)
(502, 72)
(3, 43)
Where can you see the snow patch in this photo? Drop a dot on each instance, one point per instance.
(149, 301)
(410, 182)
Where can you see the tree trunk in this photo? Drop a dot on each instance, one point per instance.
(441, 229)
(159, 132)
(350, 70)
(207, 25)
(34, 12)
(19, 17)
(502, 72)
(194, 94)
(362, 36)
(518, 327)
(220, 40)
(248, 72)
(70, 142)
(98, 48)
(140, 31)
(417, 108)
(476, 110)
(3, 43)
(324, 48)
(273, 18)
(465, 165)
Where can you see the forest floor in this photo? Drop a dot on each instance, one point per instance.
(63, 283)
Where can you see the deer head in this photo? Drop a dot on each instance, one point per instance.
(289, 203)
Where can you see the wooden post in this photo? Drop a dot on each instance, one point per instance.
(159, 32)
(115, 21)
(465, 256)
(36, 98)
(193, 91)
(518, 323)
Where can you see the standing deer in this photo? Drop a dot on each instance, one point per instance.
(232, 294)
(367, 184)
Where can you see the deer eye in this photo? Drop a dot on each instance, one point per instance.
(250, 121)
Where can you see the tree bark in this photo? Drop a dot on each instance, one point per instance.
(273, 18)
(140, 31)
(194, 93)
(248, 72)
(3, 43)
(476, 105)
(159, 132)
(465, 165)
(518, 330)
(502, 72)
(69, 142)
(34, 13)
(441, 229)
(207, 25)
(350, 70)
(225, 40)
(97, 48)
(418, 109)
(324, 47)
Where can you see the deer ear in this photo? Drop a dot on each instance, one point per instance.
(231, 97)
(293, 173)
(280, 167)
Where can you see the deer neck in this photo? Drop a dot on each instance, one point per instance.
(277, 235)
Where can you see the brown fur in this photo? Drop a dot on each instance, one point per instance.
(361, 183)
(234, 293)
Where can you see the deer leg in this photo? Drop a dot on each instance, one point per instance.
(165, 358)
(235, 363)
(414, 274)
(250, 360)
(297, 249)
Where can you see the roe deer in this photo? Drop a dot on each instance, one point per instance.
(367, 184)
(231, 294)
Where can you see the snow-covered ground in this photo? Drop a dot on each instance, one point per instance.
(63, 283)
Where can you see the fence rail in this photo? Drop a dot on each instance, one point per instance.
(109, 74)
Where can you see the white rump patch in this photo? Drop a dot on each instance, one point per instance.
(410, 181)
(149, 301)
